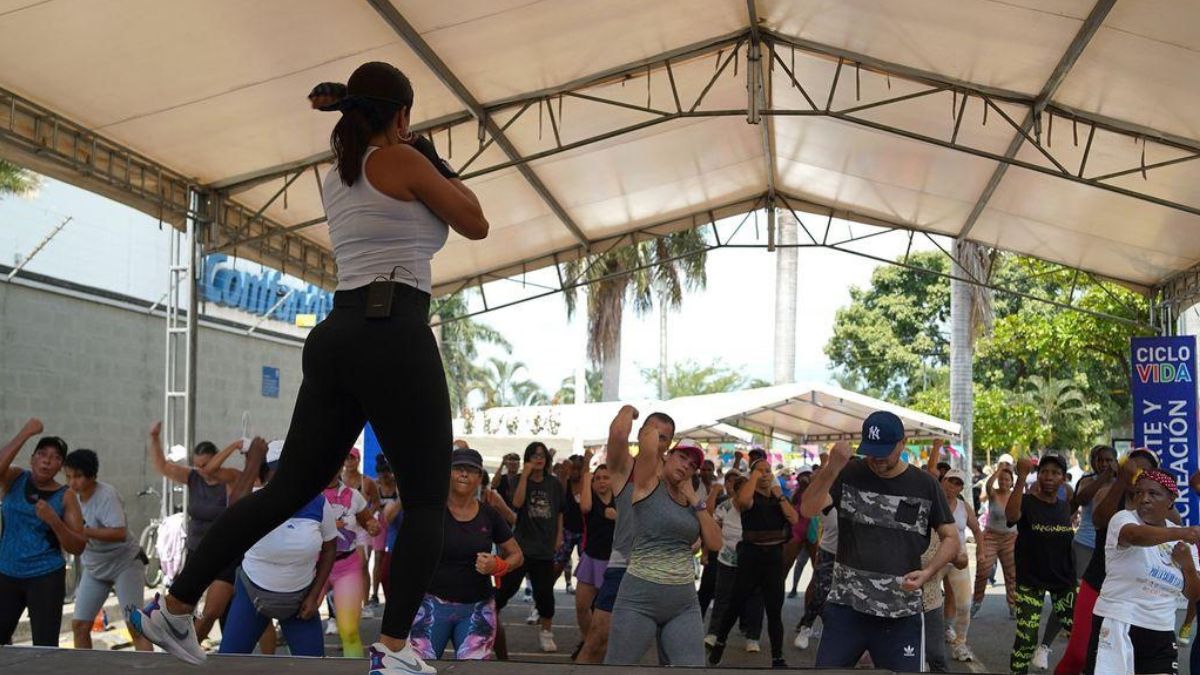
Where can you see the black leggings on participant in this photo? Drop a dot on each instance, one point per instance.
(759, 568)
(43, 597)
(386, 371)
(541, 576)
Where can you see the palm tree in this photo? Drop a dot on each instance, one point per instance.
(971, 317)
(501, 384)
(661, 268)
(17, 181)
(1056, 401)
(566, 390)
(460, 339)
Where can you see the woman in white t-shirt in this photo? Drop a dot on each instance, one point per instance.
(283, 575)
(1134, 626)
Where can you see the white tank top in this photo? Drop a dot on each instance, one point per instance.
(373, 233)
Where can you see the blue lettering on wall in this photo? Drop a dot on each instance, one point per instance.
(220, 283)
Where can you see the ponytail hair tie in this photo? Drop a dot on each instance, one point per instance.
(330, 96)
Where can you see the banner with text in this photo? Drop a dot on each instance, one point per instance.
(1164, 410)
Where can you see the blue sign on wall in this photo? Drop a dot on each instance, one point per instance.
(1164, 410)
(270, 382)
(220, 283)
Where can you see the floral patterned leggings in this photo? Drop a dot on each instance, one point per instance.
(472, 627)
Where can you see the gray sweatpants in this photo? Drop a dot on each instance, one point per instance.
(644, 608)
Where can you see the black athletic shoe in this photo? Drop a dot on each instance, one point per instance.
(779, 663)
(715, 654)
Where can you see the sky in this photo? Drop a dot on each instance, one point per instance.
(116, 248)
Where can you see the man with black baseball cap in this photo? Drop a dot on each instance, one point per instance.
(887, 510)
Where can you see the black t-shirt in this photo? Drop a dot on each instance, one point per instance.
(508, 485)
(455, 578)
(572, 515)
(884, 526)
(765, 515)
(598, 529)
(537, 519)
(1044, 555)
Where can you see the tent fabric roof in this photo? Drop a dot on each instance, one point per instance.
(901, 113)
(797, 413)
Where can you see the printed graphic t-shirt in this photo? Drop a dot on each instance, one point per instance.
(884, 526)
(347, 503)
(1044, 555)
(1143, 582)
(537, 519)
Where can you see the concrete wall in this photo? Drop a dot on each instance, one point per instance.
(92, 370)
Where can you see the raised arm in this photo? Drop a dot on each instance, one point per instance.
(255, 455)
(744, 498)
(651, 448)
(710, 532)
(69, 528)
(169, 470)
(585, 484)
(1012, 510)
(617, 458)
(1108, 499)
(1089, 486)
(935, 456)
(404, 171)
(1133, 534)
(214, 468)
(816, 498)
(518, 496)
(989, 488)
(8, 453)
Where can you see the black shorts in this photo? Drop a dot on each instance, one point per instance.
(606, 597)
(1154, 651)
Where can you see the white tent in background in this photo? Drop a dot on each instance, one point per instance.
(794, 413)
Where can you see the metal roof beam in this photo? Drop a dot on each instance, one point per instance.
(758, 83)
(434, 62)
(1088, 30)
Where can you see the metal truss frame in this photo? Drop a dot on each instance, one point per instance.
(36, 137)
(816, 239)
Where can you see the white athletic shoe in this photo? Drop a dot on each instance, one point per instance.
(710, 640)
(963, 653)
(752, 647)
(331, 627)
(818, 626)
(533, 617)
(404, 662)
(546, 641)
(802, 637)
(1041, 658)
(174, 633)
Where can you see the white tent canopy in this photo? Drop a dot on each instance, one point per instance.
(796, 413)
(1063, 129)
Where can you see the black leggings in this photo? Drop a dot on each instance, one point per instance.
(758, 568)
(43, 596)
(541, 575)
(385, 371)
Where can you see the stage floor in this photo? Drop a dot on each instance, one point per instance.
(48, 661)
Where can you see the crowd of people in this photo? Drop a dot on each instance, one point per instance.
(886, 541)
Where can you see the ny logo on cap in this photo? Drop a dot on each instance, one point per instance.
(873, 433)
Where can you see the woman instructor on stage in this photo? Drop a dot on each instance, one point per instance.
(389, 199)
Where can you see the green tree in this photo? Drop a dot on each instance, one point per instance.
(502, 384)
(658, 269)
(460, 347)
(873, 353)
(17, 181)
(1062, 412)
(566, 390)
(689, 378)
(892, 334)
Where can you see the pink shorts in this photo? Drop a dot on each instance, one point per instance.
(591, 571)
(379, 541)
(351, 565)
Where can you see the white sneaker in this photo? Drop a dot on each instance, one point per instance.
(963, 653)
(1041, 658)
(802, 637)
(331, 627)
(533, 617)
(752, 647)
(546, 640)
(950, 634)
(387, 662)
(817, 627)
(710, 640)
(174, 633)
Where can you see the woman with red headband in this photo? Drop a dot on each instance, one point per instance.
(1149, 563)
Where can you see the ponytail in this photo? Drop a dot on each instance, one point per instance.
(353, 133)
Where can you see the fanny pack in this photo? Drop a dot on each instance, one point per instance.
(272, 604)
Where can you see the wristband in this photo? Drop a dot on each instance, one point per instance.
(699, 506)
(501, 568)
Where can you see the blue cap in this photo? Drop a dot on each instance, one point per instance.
(881, 431)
